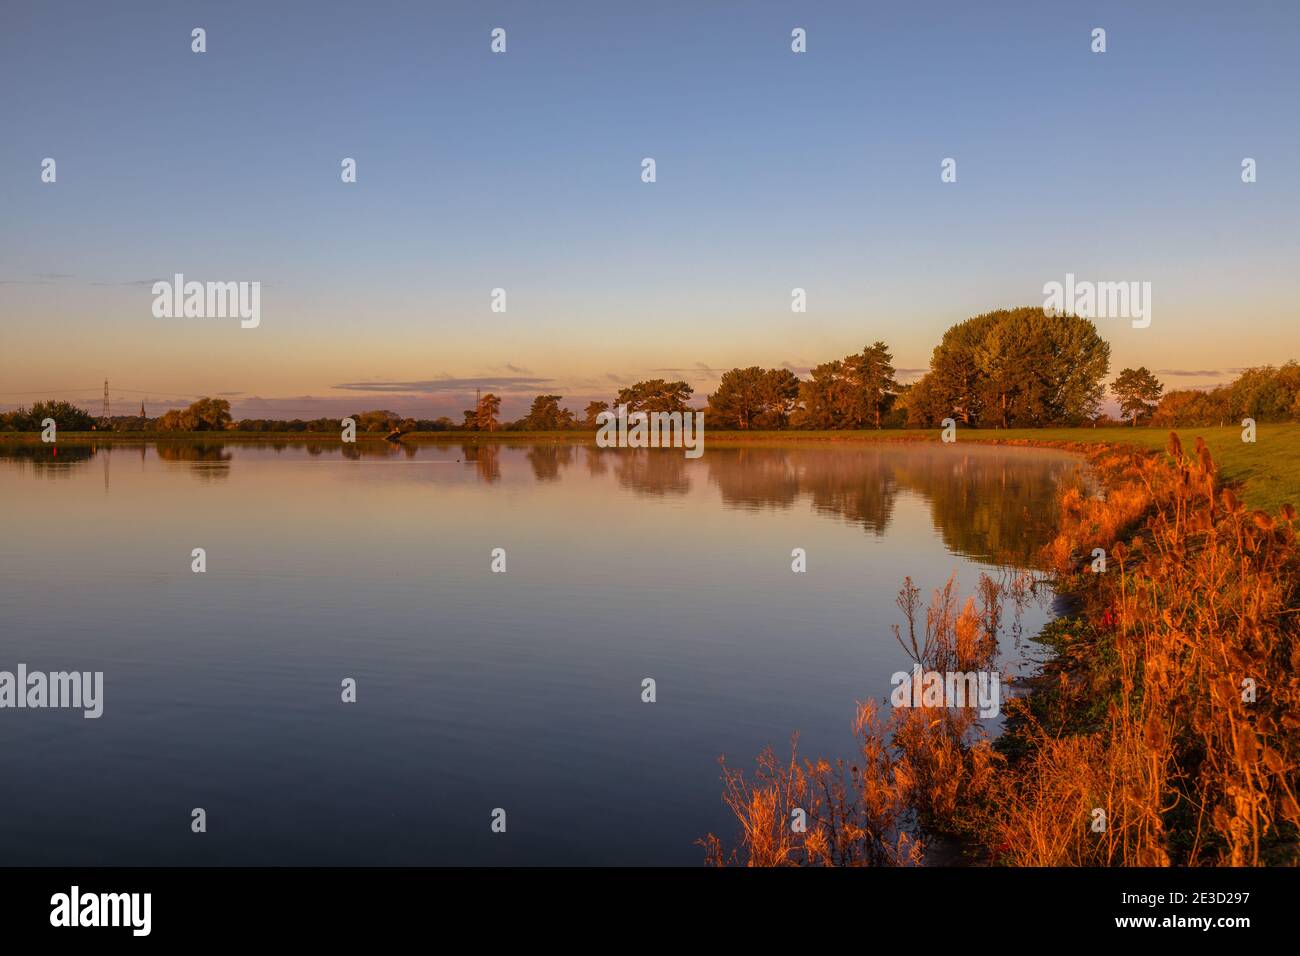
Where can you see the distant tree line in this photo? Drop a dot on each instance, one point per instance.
(65, 415)
(1267, 394)
(1012, 368)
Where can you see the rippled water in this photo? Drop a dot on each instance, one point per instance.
(475, 690)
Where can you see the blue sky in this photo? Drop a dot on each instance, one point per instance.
(522, 171)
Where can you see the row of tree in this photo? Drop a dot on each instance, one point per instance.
(1014, 368)
(66, 414)
(1006, 369)
(1264, 394)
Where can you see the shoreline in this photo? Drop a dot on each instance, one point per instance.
(1134, 714)
(1163, 729)
(1266, 473)
(1111, 650)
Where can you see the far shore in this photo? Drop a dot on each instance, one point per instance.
(1266, 471)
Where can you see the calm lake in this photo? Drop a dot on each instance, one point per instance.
(475, 690)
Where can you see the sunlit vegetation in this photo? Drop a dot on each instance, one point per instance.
(1188, 662)
(1170, 712)
(916, 771)
(1266, 394)
(1138, 393)
(1012, 368)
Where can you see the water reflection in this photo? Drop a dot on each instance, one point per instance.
(547, 460)
(372, 560)
(48, 461)
(207, 462)
(993, 504)
(485, 459)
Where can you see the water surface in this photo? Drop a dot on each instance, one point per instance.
(475, 690)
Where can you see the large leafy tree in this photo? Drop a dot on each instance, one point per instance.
(953, 384)
(872, 387)
(66, 415)
(207, 414)
(546, 414)
(485, 415)
(1014, 367)
(739, 399)
(753, 398)
(1138, 392)
(780, 391)
(824, 397)
(1005, 357)
(211, 414)
(1267, 393)
(853, 392)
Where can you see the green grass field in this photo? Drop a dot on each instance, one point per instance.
(1267, 471)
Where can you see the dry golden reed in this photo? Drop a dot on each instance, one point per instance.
(1170, 714)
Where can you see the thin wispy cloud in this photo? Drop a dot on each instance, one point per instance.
(696, 368)
(496, 383)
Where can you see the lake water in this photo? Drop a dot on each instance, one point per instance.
(475, 690)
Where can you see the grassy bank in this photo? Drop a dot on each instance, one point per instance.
(1165, 731)
(1172, 705)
